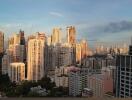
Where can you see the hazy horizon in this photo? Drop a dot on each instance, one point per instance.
(104, 21)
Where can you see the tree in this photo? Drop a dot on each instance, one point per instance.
(24, 88)
(4, 82)
(46, 83)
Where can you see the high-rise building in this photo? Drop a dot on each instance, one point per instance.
(71, 35)
(23, 45)
(56, 36)
(1, 42)
(16, 39)
(78, 52)
(17, 47)
(75, 83)
(1, 49)
(5, 63)
(22, 38)
(35, 59)
(130, 47)
(123, 79)
(64, 55)
(19, 53)
(77, 80)
(17, 72)
(51, 57)
(49, 40)
(81, 50)
(84, 49)
(59, 55)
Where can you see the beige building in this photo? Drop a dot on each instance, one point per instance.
(78, 52)
(17, 72)
(71, 35)
(49, 40)
(35, 59)
(1, 42)
(56, 36)
(81, 50)
(84, 49)
(15, 39)
(16, 49)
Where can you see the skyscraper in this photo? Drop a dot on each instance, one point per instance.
(123, 79)
(1, 49)
(1, 42)
(35, 59)
(78, 52)
(5, 63)
(81, 50)
(77, 80)
(22, 38)
(17, 47)
(71, 35)
(49, 40)
(56, 36)
(130, 47)
(84, 49)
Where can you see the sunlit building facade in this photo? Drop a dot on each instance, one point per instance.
(1, 42)
(78, 52)
(1, 49)
(35, 59)
(17, 72)
(71, 35)
(56, 36)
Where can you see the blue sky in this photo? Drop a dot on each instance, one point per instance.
(108, 21)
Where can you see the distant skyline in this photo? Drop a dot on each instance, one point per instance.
(108, 21)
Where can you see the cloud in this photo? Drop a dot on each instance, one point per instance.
(113, 27)
(111, 32)
(56, 14)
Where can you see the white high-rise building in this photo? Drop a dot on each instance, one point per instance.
(75, 83)
(35, 59)
(77, 80)
(17, 72)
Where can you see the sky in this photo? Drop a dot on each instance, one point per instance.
(103, 21)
